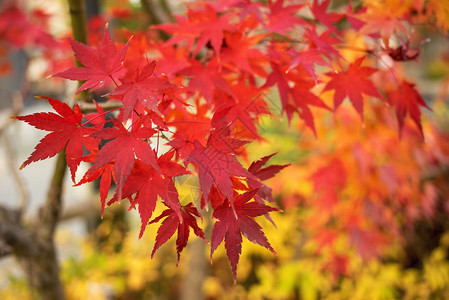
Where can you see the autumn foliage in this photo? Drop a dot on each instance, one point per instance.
(192, 103)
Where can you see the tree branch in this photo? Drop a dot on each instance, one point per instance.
(78, 20)
(90, 107)
(13, 235)
(12, 165)
(17, 105)
(167, 10)
(50, 211)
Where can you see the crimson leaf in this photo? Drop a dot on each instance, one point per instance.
(172, 222)
(231, 225)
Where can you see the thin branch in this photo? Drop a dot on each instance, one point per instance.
(78, 20)
(87, 107)
(149, 7)
(49, 212)
(10, 154)
(86, 208)
(12, 165)
(167, 10)
(17, 106)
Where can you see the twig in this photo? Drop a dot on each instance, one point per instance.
(12, 165)
(83, 209)
(167, 10)
(87, 107)
(17, 106)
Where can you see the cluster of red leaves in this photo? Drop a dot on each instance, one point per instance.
(21, 29)
(368, 188)
(204, 91)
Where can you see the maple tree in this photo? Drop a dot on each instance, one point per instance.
(202, 93)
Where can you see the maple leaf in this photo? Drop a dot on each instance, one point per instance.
(246, 8)
(302, 98)
(246, 107)
(123, 148)
(282, 18)
(385, 18)
(327, 181)
(206, 79)
(203, 26)
(101, 66)
(319, 10)
(189, 127)
(407, 100)
(279, 77)
(147, 183)
(22, 29)
(307, 59)
(66, 131)
(352, 83)
(107, 174)
(172, 223)
(267, 172)
(217, 162)
(231, 224)
(296, 98)
(324, 43)
(240, 53)
(142, 88)
(256, 168)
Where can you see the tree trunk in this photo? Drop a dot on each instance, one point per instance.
(42, 273)
(33, 245)
(198, 268)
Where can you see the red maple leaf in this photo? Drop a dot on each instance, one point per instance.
(66, 131)
(302, 97)
(240, 51)
(319, 10)
(189, 127)
(231, 224)
(203, 26)
(217, 162)
(297, 98)
(307, 59)
(256, 168)
(245, 107)
(407, 100)
(173, 223)
(123, 148)
(101, 66)
(327, 182)
(147, 183)
(282, 18)
(141, 88)
(107, 174)
(325, 42)
(352, 83)
(206, 79)
(22, 29)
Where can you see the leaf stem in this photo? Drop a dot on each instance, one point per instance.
(157, 144)
(113, 80)
(186, 121)
(100, 115)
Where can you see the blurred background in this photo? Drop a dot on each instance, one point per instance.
(365, 214)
